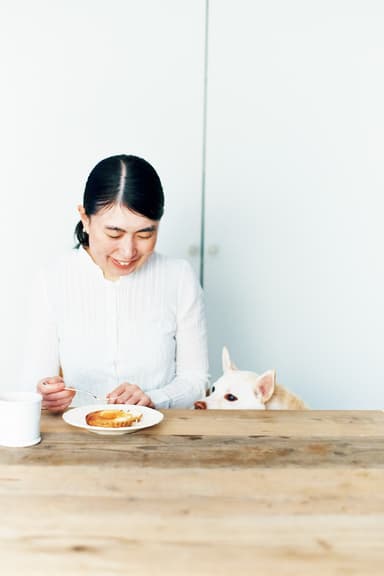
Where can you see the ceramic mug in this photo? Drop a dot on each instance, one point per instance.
(20, 418)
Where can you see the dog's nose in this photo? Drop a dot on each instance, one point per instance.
(200, 405)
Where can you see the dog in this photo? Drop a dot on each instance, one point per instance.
(239, 389)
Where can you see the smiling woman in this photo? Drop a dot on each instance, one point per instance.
(120, 240)
(113, 316)
(123, 204)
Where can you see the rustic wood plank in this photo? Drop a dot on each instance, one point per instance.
(153, 544)
(273, 422)
(252, 422)
(228, 491)
(201, 451)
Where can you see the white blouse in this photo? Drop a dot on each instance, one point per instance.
(147, 328)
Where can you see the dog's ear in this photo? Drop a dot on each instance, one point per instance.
(226, 360)
(265, 385)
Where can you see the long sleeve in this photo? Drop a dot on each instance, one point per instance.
(191, 379)
(40, 342)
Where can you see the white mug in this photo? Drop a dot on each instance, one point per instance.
(20, 418)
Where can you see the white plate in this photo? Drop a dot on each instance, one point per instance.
(76, 417)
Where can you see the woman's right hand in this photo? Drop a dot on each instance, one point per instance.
(55, 396)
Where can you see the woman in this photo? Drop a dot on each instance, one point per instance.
(114, 317)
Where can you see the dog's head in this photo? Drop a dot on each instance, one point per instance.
(239, 389)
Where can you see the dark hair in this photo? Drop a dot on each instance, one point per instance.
(128, 180)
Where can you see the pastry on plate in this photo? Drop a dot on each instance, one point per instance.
(112, 418)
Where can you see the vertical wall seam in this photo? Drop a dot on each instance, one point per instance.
(204, 146)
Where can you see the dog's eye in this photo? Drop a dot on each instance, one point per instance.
(213, 389)
(230, 397)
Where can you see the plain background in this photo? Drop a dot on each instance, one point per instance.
(293, 260)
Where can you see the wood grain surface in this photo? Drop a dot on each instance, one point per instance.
(205, 492)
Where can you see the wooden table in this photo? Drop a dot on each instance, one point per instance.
(203, 493)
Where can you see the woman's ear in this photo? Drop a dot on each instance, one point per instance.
(84, 218)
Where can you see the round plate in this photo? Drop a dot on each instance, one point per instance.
(76, 417)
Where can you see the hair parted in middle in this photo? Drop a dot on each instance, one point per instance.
(122, 179)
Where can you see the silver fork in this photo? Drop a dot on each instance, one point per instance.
(89, 394)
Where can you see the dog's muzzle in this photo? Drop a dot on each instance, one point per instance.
(200, 405)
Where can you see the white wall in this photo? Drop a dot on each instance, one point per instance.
(82, 80)
(295, 194)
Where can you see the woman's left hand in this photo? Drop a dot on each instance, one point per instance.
(129, 394)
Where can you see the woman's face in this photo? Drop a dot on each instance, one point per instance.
(120, 241)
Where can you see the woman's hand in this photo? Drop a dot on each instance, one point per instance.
(129, 394)
(55, 397)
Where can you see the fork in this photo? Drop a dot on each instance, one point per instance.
(87, 392)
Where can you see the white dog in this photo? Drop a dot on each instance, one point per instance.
(239, 389)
